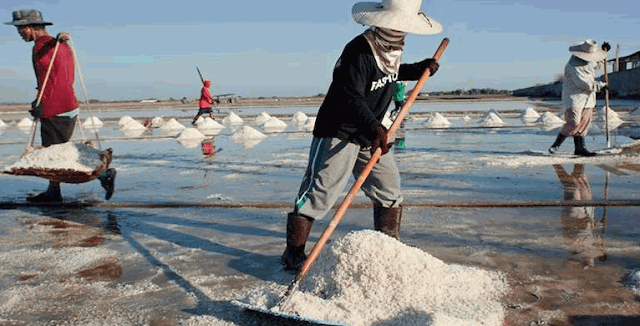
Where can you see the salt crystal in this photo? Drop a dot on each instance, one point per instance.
(437, 120)
(72, 156)
(232, 118)
(25, 122)
(262, 118)
(92, 122)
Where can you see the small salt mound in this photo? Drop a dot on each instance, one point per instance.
(491, 120)
(133, 125)
(491, 112)
(157, 122)
(208, 123)
(247, 137)
(124, 120)
(2, 124)
(72, 156)
(529, 114)
(606, 117)
(466, 118)
(232, 118)
(310, 124)
(25, 122)
(191, 134)
(548, 118)
(172, 124)
(437, 120)
(368, 278)
(92, 122)
(262, 118)
(274, 125)
(299, 118)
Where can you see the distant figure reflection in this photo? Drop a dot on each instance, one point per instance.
(580, 230)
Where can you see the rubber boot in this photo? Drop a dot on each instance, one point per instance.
(387, 220)
(556, 145)
(51, 195)
(580, 149)
(298, 229)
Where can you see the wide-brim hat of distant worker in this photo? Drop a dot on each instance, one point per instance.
(24, 17)
(399, 15)
(588, 50)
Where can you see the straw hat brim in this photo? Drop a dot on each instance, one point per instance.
(590, 56)
(27, 22)
(372, 14)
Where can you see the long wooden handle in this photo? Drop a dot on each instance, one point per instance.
(304, 270)
(199, 73)
(606, 102)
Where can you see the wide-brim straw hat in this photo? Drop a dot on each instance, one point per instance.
(399, 15)
(23, 17)
(588, 50)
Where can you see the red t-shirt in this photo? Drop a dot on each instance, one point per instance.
(59, 96)
(205, 96)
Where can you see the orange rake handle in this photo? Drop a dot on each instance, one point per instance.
(315, 252)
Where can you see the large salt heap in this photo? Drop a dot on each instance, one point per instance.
(368, 278)
(437, 120)
(247, 137)
(232, 119)
(2, 123)
(262, 118)
(25, 123)
(607, 117)
(274, 125)
(209, 126)
(92, 122)
(299, 119)
(529, 115)
(491, 119)
(549, 121)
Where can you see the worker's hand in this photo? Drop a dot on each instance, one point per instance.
(380, 141)
(430, 63)
(36, 110)
(63, 37)
(606, 46)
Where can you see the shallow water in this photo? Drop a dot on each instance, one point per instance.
(160, 265)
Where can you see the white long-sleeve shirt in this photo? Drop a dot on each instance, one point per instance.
(579, 85)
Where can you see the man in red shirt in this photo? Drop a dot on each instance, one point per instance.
(206, 101)
(56, 105)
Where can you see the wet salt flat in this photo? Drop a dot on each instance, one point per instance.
(114, 263)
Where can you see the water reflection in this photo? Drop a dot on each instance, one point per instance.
(580, 231)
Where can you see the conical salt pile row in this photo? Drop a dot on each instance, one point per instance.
(529, 114)
(232, 118)
(92, 122)
(25, 123)
(437, 120)
(262, 118)
(247, 137)
(299, 118)
(274, 125)
(368, 278)
(491, 119)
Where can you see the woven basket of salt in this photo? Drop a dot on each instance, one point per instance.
(68, 162)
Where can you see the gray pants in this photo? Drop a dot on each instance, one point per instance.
(331, 162)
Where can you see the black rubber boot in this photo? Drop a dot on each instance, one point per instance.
(580, 149)
(52, 195)
(387, 220)
(298, 229)
(556, 145)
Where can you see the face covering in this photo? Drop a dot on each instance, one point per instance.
(387, 45)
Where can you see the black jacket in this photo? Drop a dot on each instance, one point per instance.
(359, 95)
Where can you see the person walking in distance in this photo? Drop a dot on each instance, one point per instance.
(579, 88)
(206, 102)
(348, 127)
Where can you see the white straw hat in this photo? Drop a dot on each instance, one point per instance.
(588, 51)
(399, 15)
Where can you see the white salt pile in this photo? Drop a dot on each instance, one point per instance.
(529, 114)
(367, 278)
(208, 123)
(247, 137)
(2, 123)
(262, 118)
(157, 122)
(491, 112)
(491, 120)
(123, 120)
(92, 122)
(172, 124)
(606, 116)
(549, 120)
(274, 125)
(25, 122)
(132, 125)
(232, 118)
(191, 134)
(67, 156)
(437, 120)
(311, 122)
(466, 118)
(635, 112)
(299, 118)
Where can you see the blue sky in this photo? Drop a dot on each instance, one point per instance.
(143, 49)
